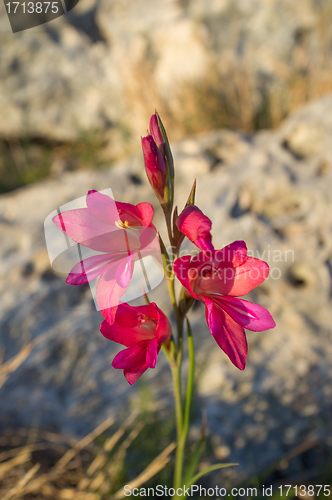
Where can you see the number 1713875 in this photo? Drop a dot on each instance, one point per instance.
(305, 490)
(32, 7)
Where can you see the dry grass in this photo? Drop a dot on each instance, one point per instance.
(82, 469)
(40, 465)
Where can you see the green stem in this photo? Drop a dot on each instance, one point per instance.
(179, 426)
(175, 365)
(190, 384)
(167, 214)
(182, 435)
(175, 362)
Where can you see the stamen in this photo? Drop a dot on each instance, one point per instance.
(126, 224)
(122, 224)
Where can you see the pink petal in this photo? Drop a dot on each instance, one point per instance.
(146, 213)
(102, 207)
(182, 267)
(149, 241)
(109, 293)
(196, 226)
(83, 228)
(235, 281)
(228, 334)
(88, 269)
(204, 244)
(249, 315)
(124, 271)
(232, 255)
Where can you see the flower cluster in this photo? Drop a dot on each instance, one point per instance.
(123, 233)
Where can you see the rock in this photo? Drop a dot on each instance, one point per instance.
(306, 140)
(259, 192)
(105, 66)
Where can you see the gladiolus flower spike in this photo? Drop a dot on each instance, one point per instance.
(124, 233)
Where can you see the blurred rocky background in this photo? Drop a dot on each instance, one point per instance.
(92, 78)
(75, 97)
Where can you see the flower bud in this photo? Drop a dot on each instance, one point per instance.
(155, 166)
(158, 132)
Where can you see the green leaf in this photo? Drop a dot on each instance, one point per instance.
(194, 461)
(194, 479)
(191, 197)
(198, 447)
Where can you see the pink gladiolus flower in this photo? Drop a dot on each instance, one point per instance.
(123, 232)
(196, 226)
(217, 281)
(142, 330)
(155, 166)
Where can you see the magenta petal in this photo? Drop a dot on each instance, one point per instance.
(196, 226)
(133, 375)
(153, 159)
(127, 313)
(152, 353)
(124, 335)
(127, 316)
(249, 315)
(102, 207)
(163, 330)
(132, 361)
(228, 334)
(131, 357)
(204, 243)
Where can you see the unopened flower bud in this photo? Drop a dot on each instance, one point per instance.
(158, 132)
(155, 166)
